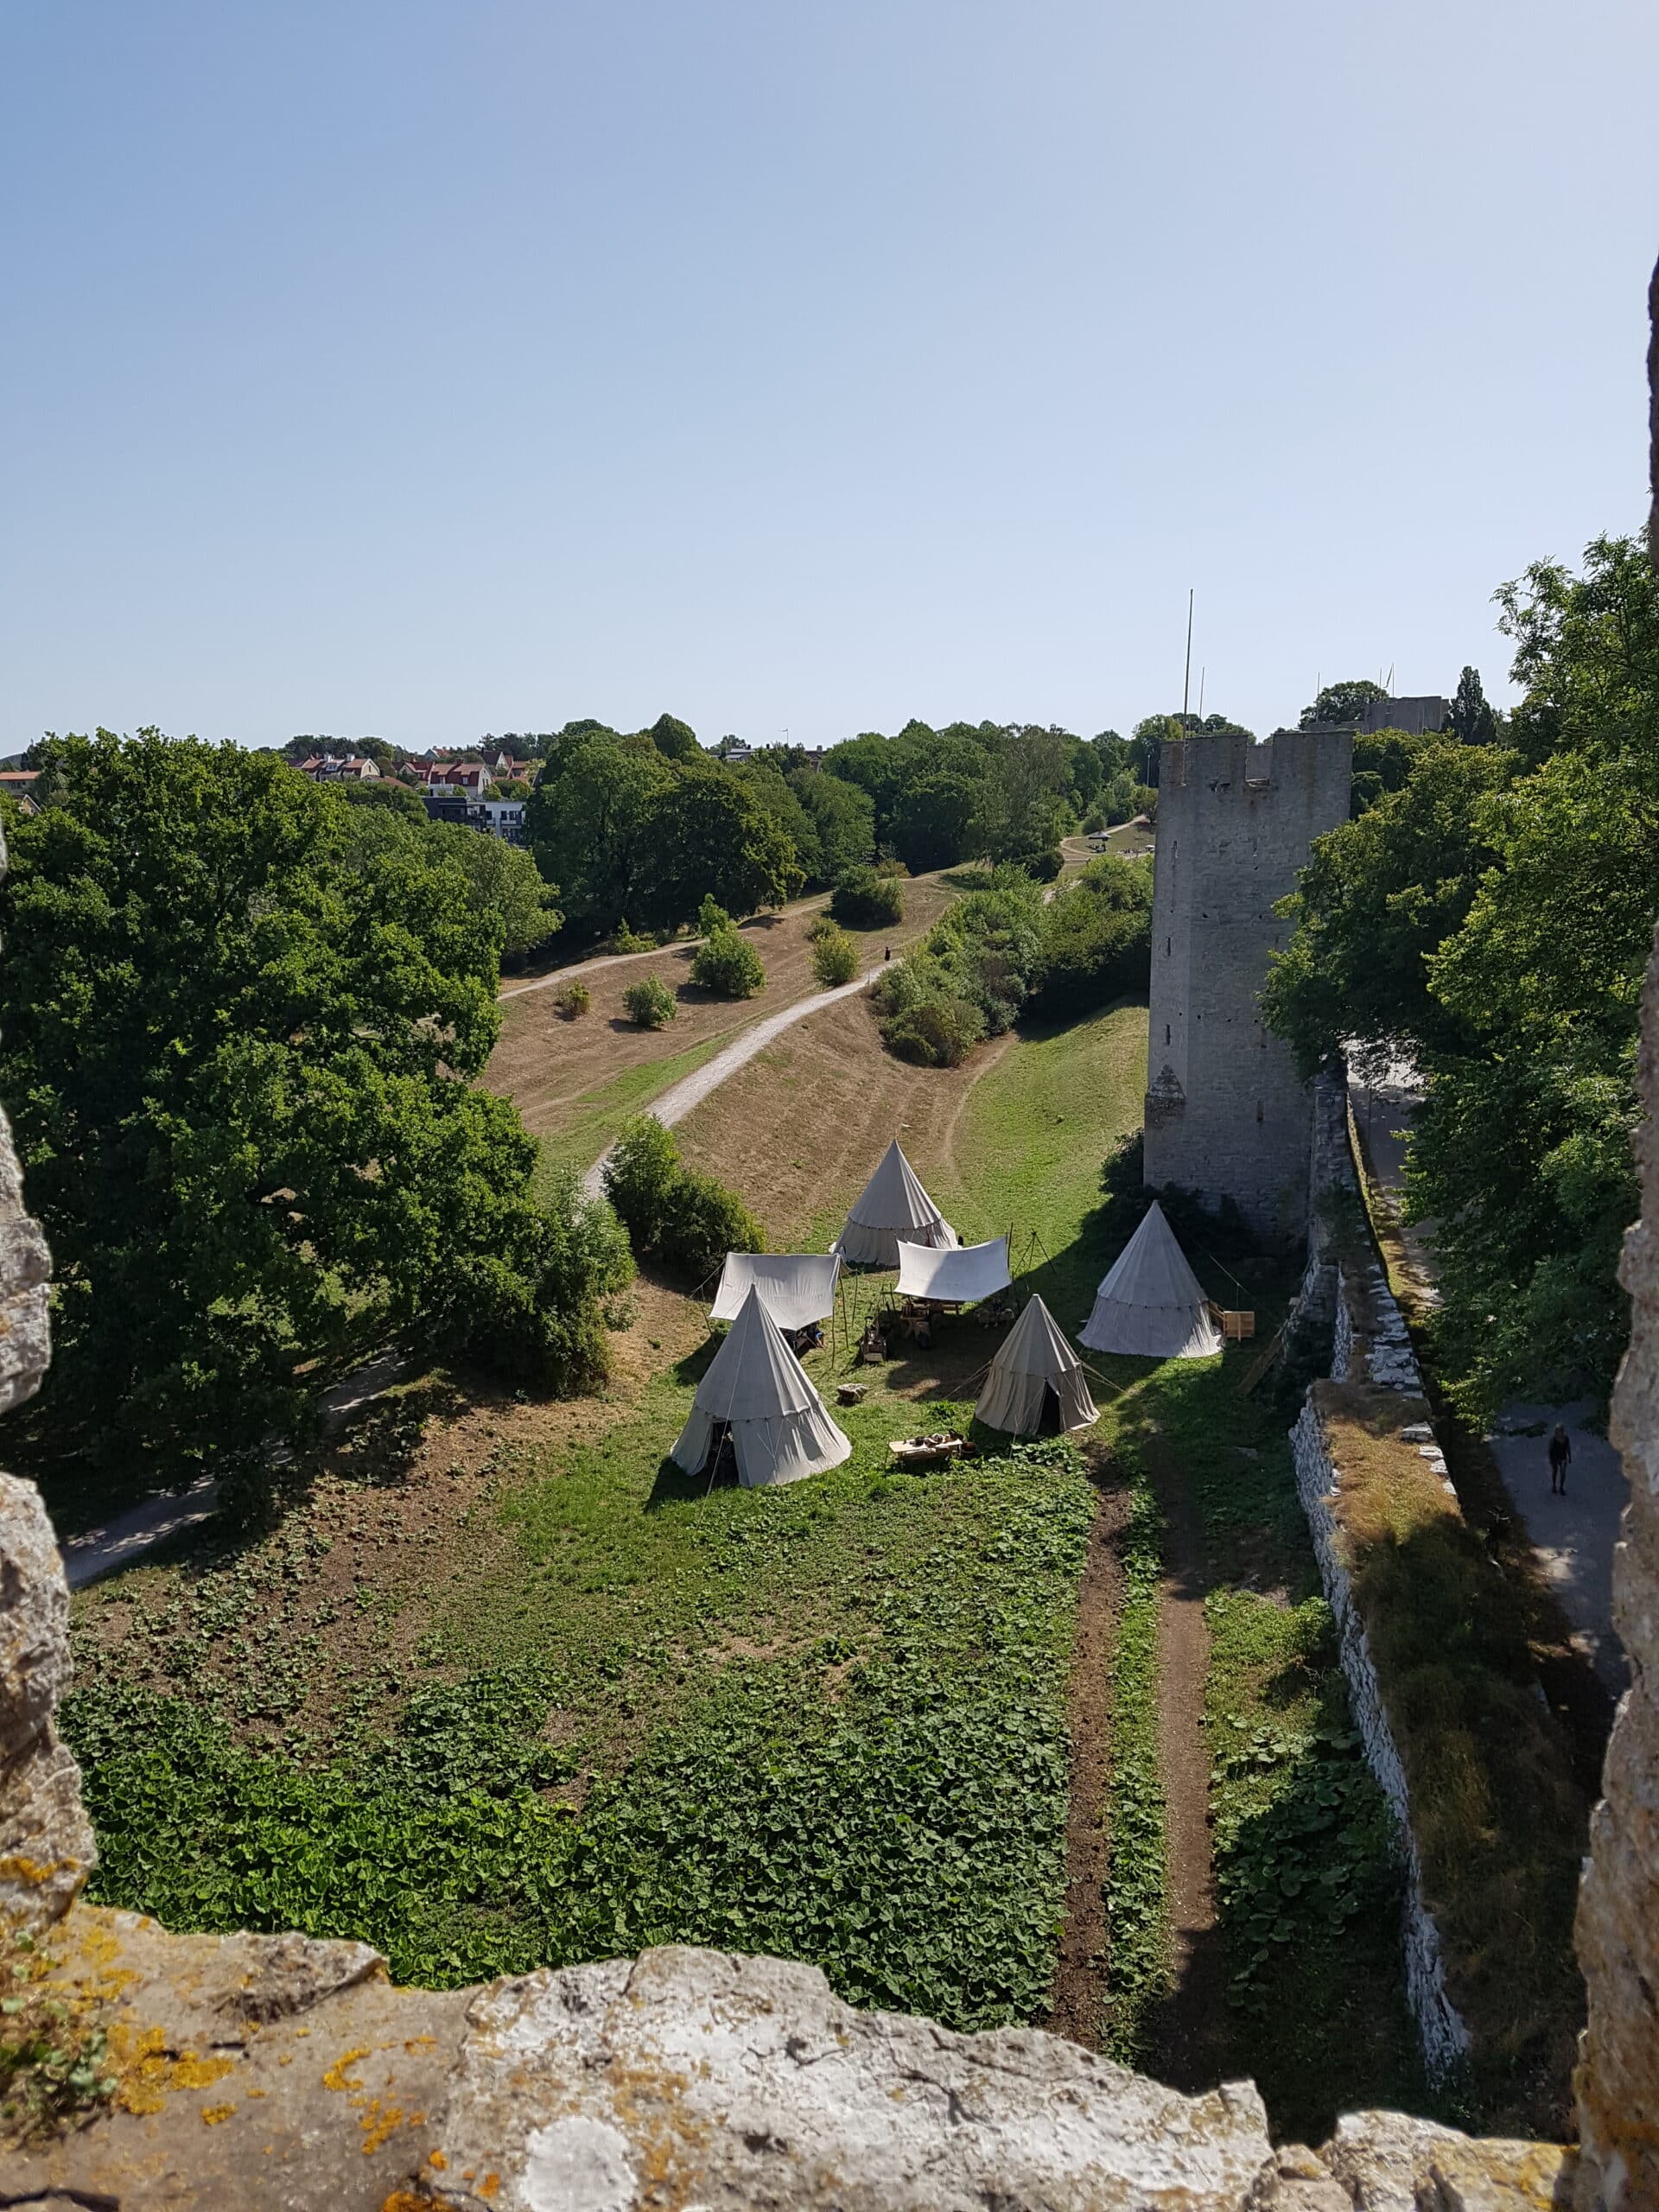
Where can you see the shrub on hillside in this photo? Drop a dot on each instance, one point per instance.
(938, 1033)
(712, 916)
(823, 924)
(573, 1000)
(866, 900)
(727, 964)
(1096, 941)
(835, 958)
(650, 1002)
(623, 939)
(685, 1219)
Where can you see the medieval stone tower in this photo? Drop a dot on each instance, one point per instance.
(1227, 1114)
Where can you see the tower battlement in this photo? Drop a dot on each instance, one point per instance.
(1227, 1114)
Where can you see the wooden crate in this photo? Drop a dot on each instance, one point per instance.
(1236, 1328)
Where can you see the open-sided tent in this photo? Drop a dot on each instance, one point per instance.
(956, 1275)
(797, 1287)
(779, 1429)
(893, 1204)
(1031, 1360)
(1151, 1303)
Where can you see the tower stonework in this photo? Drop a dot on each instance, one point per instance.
(1227, 1114)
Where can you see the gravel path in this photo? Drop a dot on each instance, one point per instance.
(677, 1101)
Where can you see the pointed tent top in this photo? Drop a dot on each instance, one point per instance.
(893, 1196)
(755, 1376)
(1035, 1345)
(1151, 1269)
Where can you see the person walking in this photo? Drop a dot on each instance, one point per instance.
(1561, 1459)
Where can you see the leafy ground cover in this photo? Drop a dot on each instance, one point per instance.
(848, 1740)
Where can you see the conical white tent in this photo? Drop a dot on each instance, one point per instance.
(1031, 1360)
(779, 1429)
(892, 1205)
(1151, 1303)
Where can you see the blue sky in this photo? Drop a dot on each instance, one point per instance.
(420, 370)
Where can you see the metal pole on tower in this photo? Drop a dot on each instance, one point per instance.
(1187, 680)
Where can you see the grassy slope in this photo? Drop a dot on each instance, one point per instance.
(828, 1721)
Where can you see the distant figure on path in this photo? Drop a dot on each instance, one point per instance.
(1561, 1459)
(887, 952)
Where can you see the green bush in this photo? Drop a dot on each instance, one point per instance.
(823, 924)
(573, 1000)
(712, 916)
(650, 1002)
(624, 939)
(1097, 942)
(834, 957)
(727, 964)
(866, 900)
(673, 1214)
(938, 1032)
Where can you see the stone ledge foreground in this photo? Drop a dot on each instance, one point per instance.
(278, 2071)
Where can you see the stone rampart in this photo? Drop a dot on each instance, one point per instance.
(1319, 1479)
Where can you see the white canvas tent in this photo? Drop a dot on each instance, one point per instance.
(1031, 1360)
(1151, 1303)
(893, 1204)
(956, 1275)
(779, 1429)
(797, 1287)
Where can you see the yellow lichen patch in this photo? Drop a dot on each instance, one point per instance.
(412, 2043)
(378, 2123)
(488, 2187)
(190, 2072)
(436, 2158)
(149, 2075)
(212, 2114)
(337, 2078)
(405, 2200)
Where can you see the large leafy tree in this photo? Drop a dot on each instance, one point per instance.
(243, 1025)
(843, 817)
(1342, 703)
(1473, 720)
(586, 822)
(1021, 808)
(706, 834)
(1491, 918)
(933, 821)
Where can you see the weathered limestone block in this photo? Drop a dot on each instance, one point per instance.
(1388, 2163)
(253, 2073)
(46, 1841)
(1617, 1932)
(690, 2077)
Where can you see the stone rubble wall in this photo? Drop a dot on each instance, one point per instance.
(1445, 2036)
(1344, 1280)
(1618, 1930)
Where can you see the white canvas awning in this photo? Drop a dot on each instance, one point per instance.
(892, 1205)
(797, 1287)
(1031, 1360)
(958, 1275)
(779, 1429)
(1151, 1304)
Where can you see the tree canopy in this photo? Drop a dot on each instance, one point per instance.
(1342, 703)
(243, 1025)
(1491, 918)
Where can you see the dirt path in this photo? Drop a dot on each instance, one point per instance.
(1082, 1970)
(675, 1103)
(1187, 2028)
